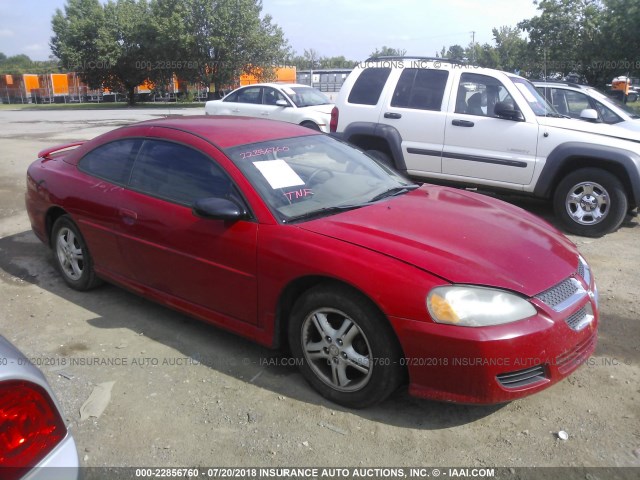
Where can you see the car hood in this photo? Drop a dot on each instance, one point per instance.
(325, 109)
(459, 236)
(616, 130)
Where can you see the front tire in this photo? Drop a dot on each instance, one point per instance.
(346, 348)
(590, 202)
(71, 255)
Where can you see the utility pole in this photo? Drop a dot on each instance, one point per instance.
(473, 46)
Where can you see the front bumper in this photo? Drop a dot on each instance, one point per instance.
(497, 364)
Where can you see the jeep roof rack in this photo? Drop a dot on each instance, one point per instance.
(412, 57)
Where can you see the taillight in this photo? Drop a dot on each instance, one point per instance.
(333, 125)
(30, 427)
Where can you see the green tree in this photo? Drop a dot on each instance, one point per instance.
(388, 52)
(510, 48)
(621, 40)
(565, 37)
(80, 41)
(456, 53)
(227, 38)
(129, 36)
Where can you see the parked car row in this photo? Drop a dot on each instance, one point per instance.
(326, 247)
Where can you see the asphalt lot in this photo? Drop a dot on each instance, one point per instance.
(187, 394)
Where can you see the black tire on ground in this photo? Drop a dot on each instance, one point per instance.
(71, 255)
(590, 202)
(345, 346)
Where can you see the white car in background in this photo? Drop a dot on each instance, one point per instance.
(290, 102)
(33, 433)
(587, 103)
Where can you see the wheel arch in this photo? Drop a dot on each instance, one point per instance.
(297, 288)
(50, 219)
(376, 136)
(570, 157)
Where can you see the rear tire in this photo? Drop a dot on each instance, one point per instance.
(346, 347)
(71, 255)
(590, 202)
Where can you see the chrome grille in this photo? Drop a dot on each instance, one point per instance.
(574, 358)
(561, 295)
(581, 269)
(521, 378)
(574, 320)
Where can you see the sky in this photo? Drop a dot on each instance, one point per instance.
(352, 28)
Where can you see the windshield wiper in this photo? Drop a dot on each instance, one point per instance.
(394, 191)
(324, 212)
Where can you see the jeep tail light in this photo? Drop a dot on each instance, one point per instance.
(30, 427)
(333, 125)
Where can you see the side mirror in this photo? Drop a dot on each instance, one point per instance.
(219, 209)
(589, 114)
(508, 111)
(282, 103)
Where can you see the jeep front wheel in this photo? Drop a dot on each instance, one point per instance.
(590, 202)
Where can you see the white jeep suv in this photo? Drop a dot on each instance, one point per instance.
(449, 123)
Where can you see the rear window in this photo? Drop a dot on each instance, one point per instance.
(368, 86)
(111, 162)
(422, 89)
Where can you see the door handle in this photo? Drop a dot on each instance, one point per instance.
(128, 216)
(462, 123)
(392, 115)
(265, 114)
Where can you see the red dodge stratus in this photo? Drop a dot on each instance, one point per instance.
(291, 238)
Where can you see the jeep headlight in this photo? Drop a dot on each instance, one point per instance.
(470, 306)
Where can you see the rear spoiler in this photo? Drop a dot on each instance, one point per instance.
(48, 151)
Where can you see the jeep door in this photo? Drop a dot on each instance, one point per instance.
(494, 146)
(415, 108)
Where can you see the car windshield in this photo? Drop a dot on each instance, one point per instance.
(306, 96)
(610, 100)
(306, 177)
(537, 102)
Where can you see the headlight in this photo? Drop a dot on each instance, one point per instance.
(469, 306)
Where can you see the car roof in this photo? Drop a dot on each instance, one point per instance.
(550, 83)
(227, 131)
(275, 84)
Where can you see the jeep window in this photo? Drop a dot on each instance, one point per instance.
(537, 103)
(420, 88)
(478, 95)
(369, 85)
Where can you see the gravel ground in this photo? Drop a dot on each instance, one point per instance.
(187, 394)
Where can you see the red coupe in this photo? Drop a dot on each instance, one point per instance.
(293, 239)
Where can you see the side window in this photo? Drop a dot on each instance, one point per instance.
(368, 87)
(177, 173)
(271, 96)
(478, 95)
(559, 101)
(607, 115)
(576, 102)
(232, 97)
(249, 95)
(111, 162)
(420, 88)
